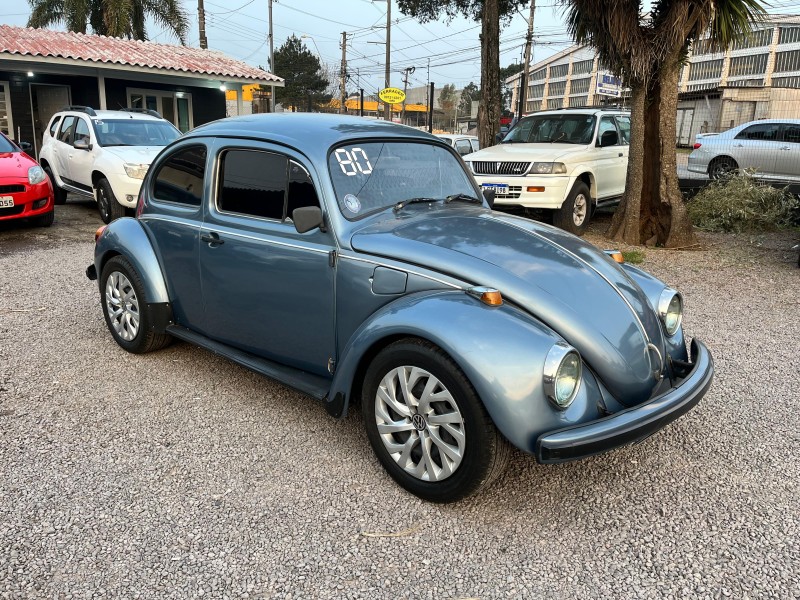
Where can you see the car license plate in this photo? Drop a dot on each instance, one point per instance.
(499, 188)
(6, 201)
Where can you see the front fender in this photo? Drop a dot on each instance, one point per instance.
(501, 350)
(127, 237)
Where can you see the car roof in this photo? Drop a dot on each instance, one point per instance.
(451, 136)
(580, 111)
(311, 133)
(113, 114)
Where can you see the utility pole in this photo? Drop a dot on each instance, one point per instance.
(361, 103)
(407, 71)
(271, 62)
(343, 72)
(201, 22)
(430, 107)
(524, 79)
(387, 107)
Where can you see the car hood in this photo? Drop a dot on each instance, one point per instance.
(527, 152)
(14, 166)
(575, 289)
(140, 155)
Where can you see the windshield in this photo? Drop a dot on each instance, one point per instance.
(134, 132)
(549, 129)
(6, 145)
(371, 176)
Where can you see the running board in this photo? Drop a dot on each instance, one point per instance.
(74, 190)
(313, 385)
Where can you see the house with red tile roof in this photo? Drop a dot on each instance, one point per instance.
(42, 71)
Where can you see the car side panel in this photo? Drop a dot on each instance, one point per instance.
(501, 351)
(127, 237)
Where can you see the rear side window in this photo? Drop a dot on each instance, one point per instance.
(763, 131)
(65, 132)
(475, 145)
(253, 182)
(180, 178)
(54, 126)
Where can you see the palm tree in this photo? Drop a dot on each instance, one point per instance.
(115, 18)
(648, 50)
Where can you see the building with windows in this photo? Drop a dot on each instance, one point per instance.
(756, 78)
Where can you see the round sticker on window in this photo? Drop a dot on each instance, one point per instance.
(352, 203)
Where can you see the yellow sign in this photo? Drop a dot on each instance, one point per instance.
(392, 95)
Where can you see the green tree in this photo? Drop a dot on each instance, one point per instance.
(505, 92)
(489, 13)
(115, 18)
(305, 81)
(648, 50)
(470, 93)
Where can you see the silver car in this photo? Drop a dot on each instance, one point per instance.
(770, 148)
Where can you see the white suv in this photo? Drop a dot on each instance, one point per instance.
(103, 154)
(567, 161)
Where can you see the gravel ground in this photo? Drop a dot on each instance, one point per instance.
(180, 475)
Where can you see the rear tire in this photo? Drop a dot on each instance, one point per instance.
(427, 424)
(107, 204)
(575, 213)
(125, 308)
(722, 168)
(59, 195)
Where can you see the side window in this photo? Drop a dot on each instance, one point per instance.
(81, 131)
(463, 147)
(301, 189)
(253, 182)
(624, 124)
(54, 126)
(65, 133)
(475, 145)
(762, 131)
(791, 133)
(180, 178)
(606, 124)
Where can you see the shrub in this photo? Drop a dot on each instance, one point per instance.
(742, 204)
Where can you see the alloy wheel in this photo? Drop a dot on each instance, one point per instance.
(122, 306)
(420, 423)
(579, 210)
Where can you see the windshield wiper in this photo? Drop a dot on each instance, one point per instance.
(463, 198)
(402, 203)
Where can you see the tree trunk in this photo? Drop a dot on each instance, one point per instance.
(489, 107)
(625, 224)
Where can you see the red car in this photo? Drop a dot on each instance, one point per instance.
(25, 190)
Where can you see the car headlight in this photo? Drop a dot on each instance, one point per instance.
(36, 175)
(670, 310)
(546, 168)
(562, 374)
(136, 171)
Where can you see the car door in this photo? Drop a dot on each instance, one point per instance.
(757, 147)
(787, 163)
(610, 162)
(267, 289)
(82, 161)
(62, 148)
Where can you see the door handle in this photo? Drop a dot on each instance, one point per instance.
(620, 154)
(786, 147)
(212, 239)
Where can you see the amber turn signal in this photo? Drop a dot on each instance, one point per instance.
(616, 255)
(98, 233)
(487, 295)
(535, 188)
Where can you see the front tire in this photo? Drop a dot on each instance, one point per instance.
(427, 425)
(107, 203)
(575, 213)
(59, 195)
(45, 220)
(126, 310)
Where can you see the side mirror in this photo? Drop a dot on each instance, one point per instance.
(307, 218)
(489, 196)
(82, 144)
(26, 146)
(609, 138)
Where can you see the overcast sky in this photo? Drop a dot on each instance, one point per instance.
(240, 27)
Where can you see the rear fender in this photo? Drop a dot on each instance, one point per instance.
(126, 237)
(501, 350)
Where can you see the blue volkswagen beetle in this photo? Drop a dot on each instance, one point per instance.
(358, 262)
